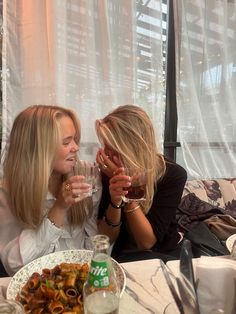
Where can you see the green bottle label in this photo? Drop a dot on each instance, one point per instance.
(98, 274)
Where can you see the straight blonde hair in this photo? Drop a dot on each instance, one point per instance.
(129, 132)
(27, 164)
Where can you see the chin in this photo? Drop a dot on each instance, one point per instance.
(67, 169)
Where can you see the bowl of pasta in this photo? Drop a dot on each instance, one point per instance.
(34, 283)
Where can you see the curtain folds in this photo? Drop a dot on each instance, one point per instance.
(88, 55)
(206, 86)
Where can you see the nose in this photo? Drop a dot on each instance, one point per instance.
(75, 147)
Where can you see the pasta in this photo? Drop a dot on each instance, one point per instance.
(57, 290)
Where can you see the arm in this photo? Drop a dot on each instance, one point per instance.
(152, 230)
(25, 245)
(112, 229)
(110, 210)
(111, 224)
(18, 245)
(139, 226)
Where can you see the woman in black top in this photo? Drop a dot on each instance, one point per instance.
(128, 138)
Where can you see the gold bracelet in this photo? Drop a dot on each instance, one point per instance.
(131, 209)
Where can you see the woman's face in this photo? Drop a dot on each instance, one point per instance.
(65, 157)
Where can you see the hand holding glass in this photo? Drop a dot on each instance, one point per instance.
(137, 190)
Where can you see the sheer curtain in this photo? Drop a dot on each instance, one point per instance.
(88, 55)
(206, 86)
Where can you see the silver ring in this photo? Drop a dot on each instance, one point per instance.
(104, 166)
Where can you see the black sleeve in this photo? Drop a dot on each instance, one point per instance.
(105, 199)
(168, 193)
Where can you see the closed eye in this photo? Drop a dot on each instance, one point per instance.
(67, 141)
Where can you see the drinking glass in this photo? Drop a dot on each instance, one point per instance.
(137, 190)
(90, 170)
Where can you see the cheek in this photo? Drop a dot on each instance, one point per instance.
(59, 158)
(61, 154)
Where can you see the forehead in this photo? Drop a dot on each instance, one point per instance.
(66, 126)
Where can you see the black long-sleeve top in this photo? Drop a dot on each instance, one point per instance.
(162, 214)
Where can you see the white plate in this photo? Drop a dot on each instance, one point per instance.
(50, 261)
(230, 242)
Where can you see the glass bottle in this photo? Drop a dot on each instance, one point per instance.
(101, 291)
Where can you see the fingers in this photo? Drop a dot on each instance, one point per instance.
(118, 185)
(75, 189)
(103, 159)
(120, 170)
(105, 163)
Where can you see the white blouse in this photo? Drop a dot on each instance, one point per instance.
(20, 246)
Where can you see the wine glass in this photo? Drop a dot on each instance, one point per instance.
(137, 190)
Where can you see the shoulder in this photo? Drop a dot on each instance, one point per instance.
(174, 174)
(5, 211)
(175, 170)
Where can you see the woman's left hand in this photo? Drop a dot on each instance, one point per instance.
(107, 166)
(118, 185)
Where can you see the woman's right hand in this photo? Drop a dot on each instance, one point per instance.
(73, 190)
(118, 185)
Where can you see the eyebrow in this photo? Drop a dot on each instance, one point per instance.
(67, 138)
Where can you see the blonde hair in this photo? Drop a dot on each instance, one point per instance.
(27, 165)
(129, 132)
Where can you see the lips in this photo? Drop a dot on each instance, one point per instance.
(72, 158)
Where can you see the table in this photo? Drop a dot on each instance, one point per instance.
(146, 289)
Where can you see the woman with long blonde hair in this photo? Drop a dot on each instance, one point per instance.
(42, 208)
(128, 141)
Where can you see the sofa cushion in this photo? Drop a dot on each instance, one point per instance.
(217, 192)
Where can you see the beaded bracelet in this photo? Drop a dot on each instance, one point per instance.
(111, 224)
(122, 204)
(131, 209)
